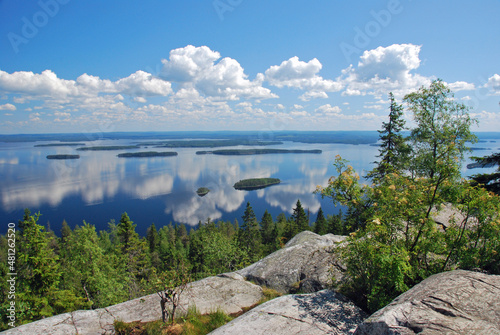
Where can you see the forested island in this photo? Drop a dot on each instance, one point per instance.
(109, 147)
(148, 154)
(63, 156)
(202, 191)
(255, 183)
(237, 152)
(59, 145)
(210, 143)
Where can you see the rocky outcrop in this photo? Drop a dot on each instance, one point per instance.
(324, 312)
(230, 293)
(307, 264)
(455, 302)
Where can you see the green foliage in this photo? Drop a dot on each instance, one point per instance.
(39, 271)
(376, 273)
(135, 254)
(90, 273)
(320, 225)
(300, 217)
(249, 235)
(345, 190)
(394, 241)
(439, 140)
(393, 150)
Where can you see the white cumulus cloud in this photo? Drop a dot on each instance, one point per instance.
(385, 69)
(7, 107)
(493, 84)
(202, 69)
(48, 84)
(302, 75)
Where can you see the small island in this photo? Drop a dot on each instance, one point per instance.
(236, 152)
(63, 156)
(109, 147)
(255, 183)
(59, 145)
(148, 154)
(202, 191)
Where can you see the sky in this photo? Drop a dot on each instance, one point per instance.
(100, 66)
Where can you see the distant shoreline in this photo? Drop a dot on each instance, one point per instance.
(237, 152)
(59, 145)
(147, 154)
(63, 156)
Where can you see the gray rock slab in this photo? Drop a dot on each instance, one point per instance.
(229, 293)
(455, 302)
(306, 264)
(323, 312)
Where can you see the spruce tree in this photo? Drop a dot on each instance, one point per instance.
(38, 269)
(135, 253)
(65, 231)
(393, 149)
(249, 235)
(321, 225)
(300, 218)
(153, 238)
(267, 225)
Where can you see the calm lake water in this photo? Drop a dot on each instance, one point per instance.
(100, 186)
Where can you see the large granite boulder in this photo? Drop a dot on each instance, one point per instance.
(231, 293)
(323, 312)
(307, 264)
(455, 302)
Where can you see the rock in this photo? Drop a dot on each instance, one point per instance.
(306, 264)
(448, 215)
(455, 302)
(230, 293)
(323, 312)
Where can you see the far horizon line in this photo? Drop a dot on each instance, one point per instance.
(204, 131)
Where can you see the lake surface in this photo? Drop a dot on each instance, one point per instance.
(100, 186)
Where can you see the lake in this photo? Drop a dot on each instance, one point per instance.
(100, 186)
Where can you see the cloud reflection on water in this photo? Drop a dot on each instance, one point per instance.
(99, 177)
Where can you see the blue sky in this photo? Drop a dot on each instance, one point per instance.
(83, 66)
